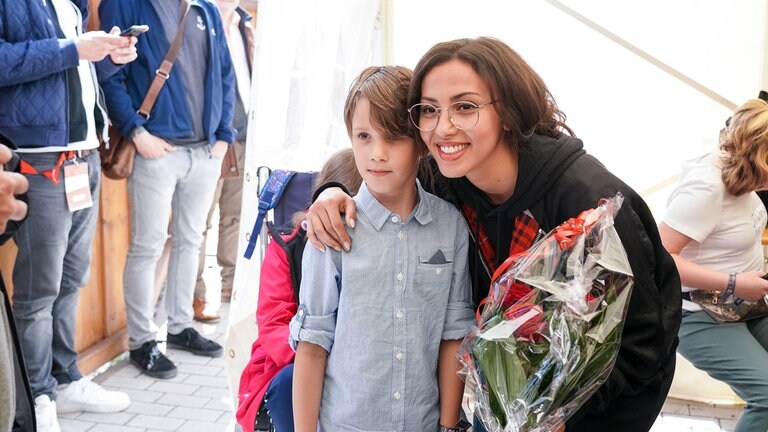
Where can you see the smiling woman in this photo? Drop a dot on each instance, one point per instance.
(519, 170)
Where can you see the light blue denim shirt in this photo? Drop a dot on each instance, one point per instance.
(381, 312)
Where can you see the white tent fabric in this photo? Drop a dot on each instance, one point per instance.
(307, 53)
(641, 121)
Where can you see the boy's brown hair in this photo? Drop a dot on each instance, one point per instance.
(386, 88)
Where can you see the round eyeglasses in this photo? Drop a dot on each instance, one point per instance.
(463, 114)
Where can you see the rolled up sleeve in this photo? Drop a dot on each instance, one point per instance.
(315, 319)
(459, 315)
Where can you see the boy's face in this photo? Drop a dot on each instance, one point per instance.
(387, 167)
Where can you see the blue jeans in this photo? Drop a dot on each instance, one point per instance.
(178, 187)
(735, 353)
(279, 400)
(52, 263)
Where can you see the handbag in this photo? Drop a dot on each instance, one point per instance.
(119, 154)
(117, 157)
(725, 310)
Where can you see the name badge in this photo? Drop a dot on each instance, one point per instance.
(77, 187)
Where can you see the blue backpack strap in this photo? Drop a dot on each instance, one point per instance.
(268, 198)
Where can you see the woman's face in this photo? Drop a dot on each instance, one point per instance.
(471, 152)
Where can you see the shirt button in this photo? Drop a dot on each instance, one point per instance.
(438, 270)
(400, 276)
(301, 312)
(400, 235)
(399, 355)
(399, 314)
(397, 395)
(395, 219)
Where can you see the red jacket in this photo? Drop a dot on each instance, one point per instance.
(277, 305)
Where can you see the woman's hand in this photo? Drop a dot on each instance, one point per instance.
(751, 286)
(324, 224)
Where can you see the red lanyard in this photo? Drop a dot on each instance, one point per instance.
(53, 173)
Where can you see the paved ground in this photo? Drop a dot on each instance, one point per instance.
(197, 399)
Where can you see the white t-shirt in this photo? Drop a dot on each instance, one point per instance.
(725, 229)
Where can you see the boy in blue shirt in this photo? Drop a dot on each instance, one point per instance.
(378, 328)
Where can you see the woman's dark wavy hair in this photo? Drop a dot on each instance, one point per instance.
(523, 101)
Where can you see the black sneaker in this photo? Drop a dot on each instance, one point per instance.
(190, 340)
(152, 362)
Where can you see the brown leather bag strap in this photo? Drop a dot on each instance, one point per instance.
(164, 71)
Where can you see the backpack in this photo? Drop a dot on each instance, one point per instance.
(286, 192)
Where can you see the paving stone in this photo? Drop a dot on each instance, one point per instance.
(148, 408)
(185, 401)
(199, 426)
(196, 369)
(176, 388)
(70, 425)
(209, 381)
(155, 422)
(118, 418)
(195, 414)
(138, 383)
(114, 428)
(213, 392)
(142, 395)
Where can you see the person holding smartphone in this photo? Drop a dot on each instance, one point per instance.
(52, 111)
(713, 228)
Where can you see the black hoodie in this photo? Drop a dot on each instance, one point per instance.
(557, 180)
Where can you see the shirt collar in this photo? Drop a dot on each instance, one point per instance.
(378, 214)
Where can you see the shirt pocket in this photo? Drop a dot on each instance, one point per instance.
(433, 275)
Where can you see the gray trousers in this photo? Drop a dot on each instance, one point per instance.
(735, 353)
(179, 187)
(53, 262)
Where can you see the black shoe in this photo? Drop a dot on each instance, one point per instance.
(190, 340)
(152, 362)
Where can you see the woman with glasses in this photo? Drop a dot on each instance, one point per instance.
(502, 153)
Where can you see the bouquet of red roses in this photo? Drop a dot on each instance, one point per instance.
(551, 327)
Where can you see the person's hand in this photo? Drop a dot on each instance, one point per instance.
(324, 224)
(751, 286)
(150, 146)
(219, 149)
(125, 54)
(95, 45)
(11, 184)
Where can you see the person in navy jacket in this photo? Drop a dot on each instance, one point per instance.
(52, 110)
(180, 146)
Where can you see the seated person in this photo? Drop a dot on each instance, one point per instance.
(268, 375)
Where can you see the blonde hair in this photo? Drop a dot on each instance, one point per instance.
(341, 168)
(745, 144)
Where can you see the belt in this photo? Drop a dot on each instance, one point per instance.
(84, 153)
(53, 174)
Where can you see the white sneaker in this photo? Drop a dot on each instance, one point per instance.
(86, 395)
(45, 414)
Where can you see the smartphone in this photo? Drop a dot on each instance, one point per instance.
(134, 30)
